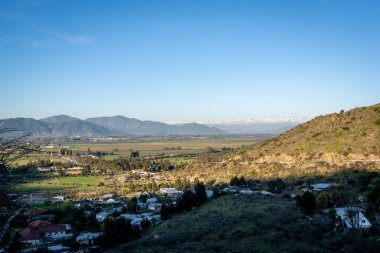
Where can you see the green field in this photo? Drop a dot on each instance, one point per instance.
(110, 157)
(47, 207)
(63, 183)
(33, 158)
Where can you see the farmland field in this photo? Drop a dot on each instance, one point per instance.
(168, 146)
(63, 183)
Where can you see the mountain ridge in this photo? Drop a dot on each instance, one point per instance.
(67, 126)
(138, 127)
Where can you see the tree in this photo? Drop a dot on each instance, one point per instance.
(14, 144)
(276, 185)
(200, 194)
(177, 183)
(167, 210)
(154, 186)
(373, 192)
(117, 231)
(307, 203)
(242, 181)
(134, 154)
(61, 172)
(234, 181)
(187, 201)
(324, 200)
(145, 224)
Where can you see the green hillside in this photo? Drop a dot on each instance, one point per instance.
(234, 224)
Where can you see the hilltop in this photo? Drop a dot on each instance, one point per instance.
(353, 132)
(320, 146)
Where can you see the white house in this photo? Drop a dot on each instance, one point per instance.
(353, 217)
(45, 233)
(140, 172)
(320, 186)
(266, 193)
(156, 207)
(171, 192)
(100, 217)
(151, 200)
(247, 192)
(129, 216)
(230, 190)
(88, 238)
(107, 196)
(209, 193)
(117, 209)
(59, 197)
(58, 248)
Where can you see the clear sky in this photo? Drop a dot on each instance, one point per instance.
(188, 59)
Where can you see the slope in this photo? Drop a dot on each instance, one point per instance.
(27, 125)
(320, 146)
(80, 128)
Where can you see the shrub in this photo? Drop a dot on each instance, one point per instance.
(324, 200)
(307, 203)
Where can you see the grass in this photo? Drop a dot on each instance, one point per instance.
(47, 207)
(181, 160)
(90, 180)
(35, 157)
(110, 157)
(63, 183)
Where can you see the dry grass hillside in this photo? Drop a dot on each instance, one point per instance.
(354, 132)
(324, 145)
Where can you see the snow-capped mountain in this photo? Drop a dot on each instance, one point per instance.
(263, 125)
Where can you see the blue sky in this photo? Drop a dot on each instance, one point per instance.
(188, 59)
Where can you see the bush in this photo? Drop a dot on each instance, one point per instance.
(276, 185)
(324, 200)
(307, 203)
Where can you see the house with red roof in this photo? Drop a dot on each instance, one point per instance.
(45, 233)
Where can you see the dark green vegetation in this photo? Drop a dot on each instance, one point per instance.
(228, 224)
(254, 223)
(238, 223)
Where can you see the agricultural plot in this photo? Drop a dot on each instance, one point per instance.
(63, 183)
(163, 146)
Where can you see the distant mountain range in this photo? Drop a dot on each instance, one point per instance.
(266, 125)
(67, 126)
